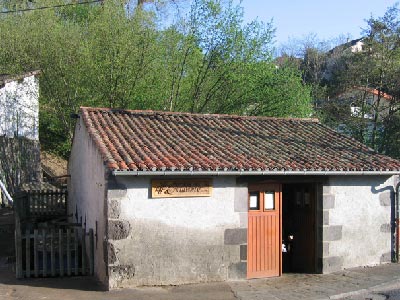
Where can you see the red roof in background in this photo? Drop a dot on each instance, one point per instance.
(164, 141)
(374, 92)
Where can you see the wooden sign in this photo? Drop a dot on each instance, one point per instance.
(181, 188)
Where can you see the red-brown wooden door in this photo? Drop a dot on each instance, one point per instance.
(264, 237)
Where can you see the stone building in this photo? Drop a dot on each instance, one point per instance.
(180, 198)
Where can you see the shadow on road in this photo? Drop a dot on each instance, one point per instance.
(7, 273)
(83, 283)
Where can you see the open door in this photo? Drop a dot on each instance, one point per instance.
(299, 213)
(264, 234)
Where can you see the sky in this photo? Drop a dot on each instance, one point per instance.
(326, 19)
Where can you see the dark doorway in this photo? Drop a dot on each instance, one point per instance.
(298, 228)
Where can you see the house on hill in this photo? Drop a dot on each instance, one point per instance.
(362, 111)
(352, 46)
(179, 198)
(334, 55)
(366, 102)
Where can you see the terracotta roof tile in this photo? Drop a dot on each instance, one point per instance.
(163, 141)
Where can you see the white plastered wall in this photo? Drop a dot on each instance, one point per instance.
(363, 207)
(177, 240)
(19, 113)
(87, 186)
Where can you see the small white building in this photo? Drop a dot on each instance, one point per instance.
(177, 198)
(19, 102)
(19, 130)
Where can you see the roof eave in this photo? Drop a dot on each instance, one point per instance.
(11, 78)
(250, 173)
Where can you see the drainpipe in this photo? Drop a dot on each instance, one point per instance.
(397, 191)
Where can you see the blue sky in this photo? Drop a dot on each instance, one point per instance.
(327, 19)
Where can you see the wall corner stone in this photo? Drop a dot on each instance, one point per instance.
(326, 189)
(237, 271)
(240, 199)
(243, 252)
(112, 254)
(328, 201)
(118, 229)
(332, 233)
(118, 274)
(114, 209)
(332, 264)
(243, 219)
(235, 236)
(325, 217)
(325, 249)
(115, 190)
(116, 194)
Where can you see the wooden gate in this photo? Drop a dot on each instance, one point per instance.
(54, 251)
(264, 238)
(45, 244)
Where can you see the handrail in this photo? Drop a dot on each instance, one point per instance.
(5, 192)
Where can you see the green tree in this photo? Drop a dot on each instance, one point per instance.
(313, 58)
(106, 55)
(377, 68)
(225, 66)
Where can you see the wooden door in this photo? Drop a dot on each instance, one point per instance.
(264, 237)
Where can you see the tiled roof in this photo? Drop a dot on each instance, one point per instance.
(371, 91)
(5, 78)
(375, 92)
(162, 141)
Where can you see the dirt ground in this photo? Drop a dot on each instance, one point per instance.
(53, 164)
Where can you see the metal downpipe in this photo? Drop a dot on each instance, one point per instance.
(396, 201)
